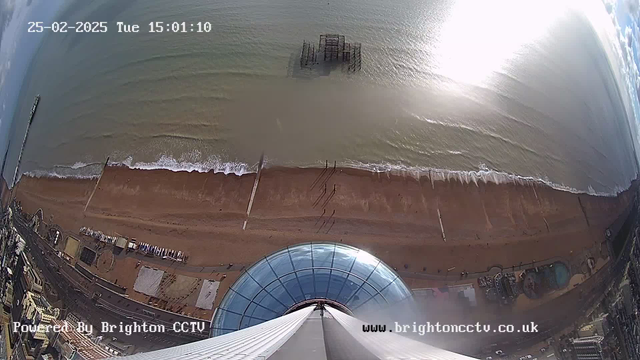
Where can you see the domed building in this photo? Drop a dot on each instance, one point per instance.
(303, 302)
(345, 277)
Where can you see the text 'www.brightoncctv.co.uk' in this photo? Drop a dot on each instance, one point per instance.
(428, 327)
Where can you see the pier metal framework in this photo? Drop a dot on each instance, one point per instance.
(332, 48)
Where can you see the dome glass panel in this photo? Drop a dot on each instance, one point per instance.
(302, 273)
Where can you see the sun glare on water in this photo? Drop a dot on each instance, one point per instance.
(479, 37)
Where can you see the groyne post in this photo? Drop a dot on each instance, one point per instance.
(444, 237)
(254, 190)
(97, 183)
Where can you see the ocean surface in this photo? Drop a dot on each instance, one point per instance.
(469, 89)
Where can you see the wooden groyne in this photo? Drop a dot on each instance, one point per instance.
(97, 183)
(253, 191)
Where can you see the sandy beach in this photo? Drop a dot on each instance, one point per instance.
(394, 217)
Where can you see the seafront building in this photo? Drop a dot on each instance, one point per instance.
(31, 280)
(72, 344)
(588, 348)
(37, 313)
(303, 302)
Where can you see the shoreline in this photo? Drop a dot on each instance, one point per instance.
(483, 175)
(373, 205)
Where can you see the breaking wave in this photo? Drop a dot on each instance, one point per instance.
(482, 175)
(216, 165)
(213, 164)
(58, 175)
(78, 170)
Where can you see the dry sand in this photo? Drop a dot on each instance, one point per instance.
(394, 217)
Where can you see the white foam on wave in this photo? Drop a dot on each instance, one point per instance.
(78, 170)
(78, 165)
(214, 164)
(482, 175)
(189, 163)
(54, 174)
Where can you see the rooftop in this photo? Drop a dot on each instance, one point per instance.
(41, 303)
(83, 345)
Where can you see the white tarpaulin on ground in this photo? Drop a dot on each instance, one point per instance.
(148, 281)
(207, 294)
(121, 242)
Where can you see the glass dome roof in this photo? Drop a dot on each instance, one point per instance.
(333, 272)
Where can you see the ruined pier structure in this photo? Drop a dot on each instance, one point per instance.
(332, 48)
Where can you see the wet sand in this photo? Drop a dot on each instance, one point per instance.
(395, 217)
